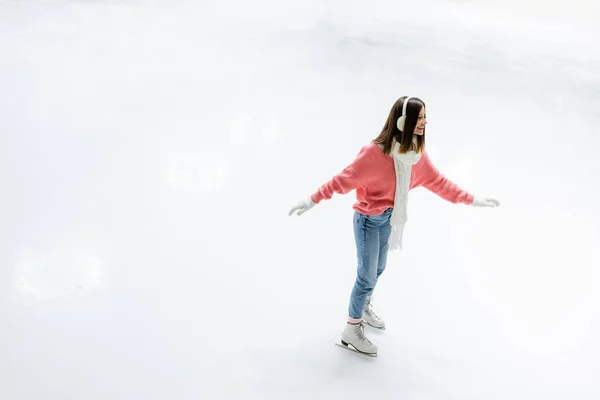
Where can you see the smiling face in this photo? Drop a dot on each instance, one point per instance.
(414, 126)
(421, 122)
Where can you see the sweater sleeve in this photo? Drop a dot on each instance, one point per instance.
(437, 183)
(345, 181)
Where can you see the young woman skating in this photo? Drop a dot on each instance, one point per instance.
(382, 174)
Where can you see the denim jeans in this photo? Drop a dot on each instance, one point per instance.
(371, 233)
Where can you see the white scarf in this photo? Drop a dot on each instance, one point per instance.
(403, 164)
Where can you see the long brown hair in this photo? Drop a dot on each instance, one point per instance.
(390, 130)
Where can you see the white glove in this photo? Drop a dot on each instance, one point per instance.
(487, 202)
(302, 207)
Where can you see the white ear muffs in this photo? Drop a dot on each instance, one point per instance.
(402, 119)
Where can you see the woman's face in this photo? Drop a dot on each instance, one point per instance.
(421, 122)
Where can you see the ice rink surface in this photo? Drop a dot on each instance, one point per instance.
(150, 152)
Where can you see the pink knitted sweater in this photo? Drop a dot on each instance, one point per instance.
(373, 176)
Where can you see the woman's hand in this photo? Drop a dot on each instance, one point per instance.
(302, 207)
(485, 202)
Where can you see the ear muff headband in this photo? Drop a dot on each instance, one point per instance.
(402, 119)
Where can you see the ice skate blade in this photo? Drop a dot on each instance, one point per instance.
(349, 347)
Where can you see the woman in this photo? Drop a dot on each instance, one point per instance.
(382, 174)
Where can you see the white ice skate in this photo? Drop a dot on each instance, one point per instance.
(370, 317)
(354, 336)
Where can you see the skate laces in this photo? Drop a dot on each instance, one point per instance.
(369, 310)
(360, 333)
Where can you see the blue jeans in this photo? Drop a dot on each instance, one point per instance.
(371, 233)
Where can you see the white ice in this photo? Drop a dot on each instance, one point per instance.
(150, 152)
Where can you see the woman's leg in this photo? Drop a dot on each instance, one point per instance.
(366, 235)
(385, 229)
(384, 235)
